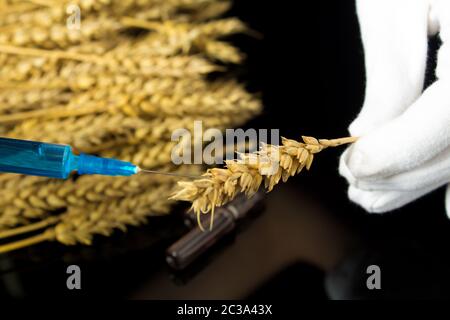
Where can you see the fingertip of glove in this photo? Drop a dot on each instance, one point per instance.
(360, 127)
(372, 202)
(355, 129)
(358, 162)
(343, 167)
(361, 159)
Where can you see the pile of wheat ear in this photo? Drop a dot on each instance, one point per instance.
(269, 165)
(118, 86)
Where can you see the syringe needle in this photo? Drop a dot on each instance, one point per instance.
(169, 174)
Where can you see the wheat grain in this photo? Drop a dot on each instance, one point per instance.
(221, 51)
(211, 10)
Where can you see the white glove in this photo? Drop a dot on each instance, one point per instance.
(404, 146)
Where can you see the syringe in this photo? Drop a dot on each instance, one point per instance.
(58, 161)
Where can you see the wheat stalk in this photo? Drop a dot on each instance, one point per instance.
(269, 165)
(199, 98)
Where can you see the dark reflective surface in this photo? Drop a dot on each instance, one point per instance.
(292, 231)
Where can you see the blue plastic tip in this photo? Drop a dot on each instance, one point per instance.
(88, 164)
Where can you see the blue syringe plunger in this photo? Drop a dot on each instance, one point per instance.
(56, 161)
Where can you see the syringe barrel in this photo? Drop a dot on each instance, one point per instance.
(88, 164)
(35, 158)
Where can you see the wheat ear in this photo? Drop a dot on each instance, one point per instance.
(270, 164)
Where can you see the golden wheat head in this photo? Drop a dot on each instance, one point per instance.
(269, 165)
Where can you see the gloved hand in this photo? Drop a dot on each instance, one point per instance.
(404, 146)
